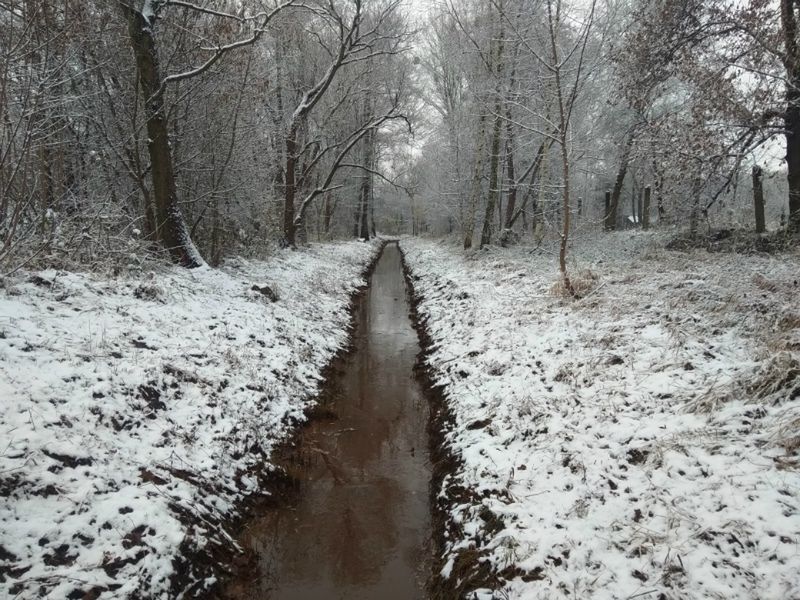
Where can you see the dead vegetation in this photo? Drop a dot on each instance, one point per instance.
(775, 382)
(583, 283)
(735, 241)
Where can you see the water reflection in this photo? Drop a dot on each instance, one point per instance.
(359, 526)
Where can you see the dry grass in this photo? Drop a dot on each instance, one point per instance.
(788, 320)
(763, 283)
(777, 381)
(787, 434)
(583, 283)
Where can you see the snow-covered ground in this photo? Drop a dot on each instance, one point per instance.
(639, 443)
(136, 409)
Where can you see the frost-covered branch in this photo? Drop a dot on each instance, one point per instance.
(354, 138)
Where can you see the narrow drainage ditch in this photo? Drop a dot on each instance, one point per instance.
(358, 523)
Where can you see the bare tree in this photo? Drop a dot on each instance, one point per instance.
(170, 226)
(737, 63)
(357, 36)
(566, 95)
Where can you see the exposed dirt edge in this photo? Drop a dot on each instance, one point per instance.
(223, 558)
(469, 572)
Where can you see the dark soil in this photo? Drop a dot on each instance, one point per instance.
(469, 571)
(222, 558)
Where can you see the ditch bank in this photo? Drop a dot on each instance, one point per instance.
(350, 513)
(226, 560)
(138, 404)
(469, 572)
(634, 411)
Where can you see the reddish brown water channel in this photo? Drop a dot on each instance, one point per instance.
(358, 528)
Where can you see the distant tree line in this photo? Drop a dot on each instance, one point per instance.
(198, 128)
(609, 115)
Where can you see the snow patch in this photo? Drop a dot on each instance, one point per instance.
(616, 446)
(137, 411)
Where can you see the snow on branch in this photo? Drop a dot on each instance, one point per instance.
(219, 51)
(337, 163)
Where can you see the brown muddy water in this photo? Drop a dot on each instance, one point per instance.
(358, 526)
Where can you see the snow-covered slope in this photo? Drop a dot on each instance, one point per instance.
(135, 409)
(639, 443)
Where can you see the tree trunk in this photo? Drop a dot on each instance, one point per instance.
(511, 205)
(646, 209)
(290, 188)
(327, 213)
(216, 242)
(413, 202)
(658, 182)
(367, 149)
(694, 215)
(170, 227)
(494, 158)
(357, 216)
(366, 187)
(475, 191)
(372, 229)
(792, 115)
(616, 193)
(363, 220)
(563, 126)
(758, 199)
(792, 122)
(640, 208)
(562, 253)
(494, 183)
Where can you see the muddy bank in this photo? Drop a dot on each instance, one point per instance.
(469, 572)
(352, 519)
(571, 417)
(225, 558)
(157, 399)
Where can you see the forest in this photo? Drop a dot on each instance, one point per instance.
(214, 129)
(440, 299)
